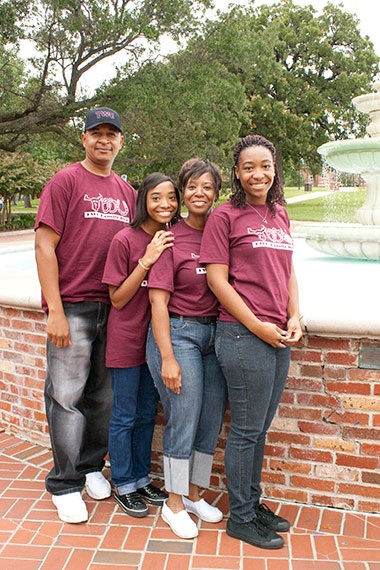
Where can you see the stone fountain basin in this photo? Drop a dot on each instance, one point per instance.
(358, 156)
(342, 240)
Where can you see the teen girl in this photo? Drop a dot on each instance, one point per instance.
(132, 253)
(248, 251)
(181, 356)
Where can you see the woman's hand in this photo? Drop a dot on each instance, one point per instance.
(171, 374)
(294, 331)
(272, 334)
(160, 241)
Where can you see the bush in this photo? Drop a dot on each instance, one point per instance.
(19, 222)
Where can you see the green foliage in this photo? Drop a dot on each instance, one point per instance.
(19, 222)
(71, 38)
(21, 174)
(299, 72)
(173, 111)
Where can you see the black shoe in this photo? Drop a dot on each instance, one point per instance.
(132, 504)
(255, 533)
(152, 495)
(269, 519)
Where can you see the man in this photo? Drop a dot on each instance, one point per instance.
(81, 209)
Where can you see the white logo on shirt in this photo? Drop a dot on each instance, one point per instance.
(272, 238)
(200, 270)
(144, 283)
(107, 208)
(195, 256)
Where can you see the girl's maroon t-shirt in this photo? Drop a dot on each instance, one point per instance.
(258, 255)
(127, 327)
(179, 271)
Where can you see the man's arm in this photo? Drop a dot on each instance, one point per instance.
(58, 331)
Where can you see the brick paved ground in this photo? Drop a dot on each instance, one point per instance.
(33, 538)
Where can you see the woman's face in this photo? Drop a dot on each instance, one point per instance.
(161, 202)
(199, 194)
(256, 172)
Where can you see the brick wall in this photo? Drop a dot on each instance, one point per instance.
(324, 444)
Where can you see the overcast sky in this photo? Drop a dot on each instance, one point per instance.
(368, 12)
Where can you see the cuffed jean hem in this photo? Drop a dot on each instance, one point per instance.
(179, 473)
(131, 487)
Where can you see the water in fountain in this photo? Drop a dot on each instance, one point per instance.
(359, 156)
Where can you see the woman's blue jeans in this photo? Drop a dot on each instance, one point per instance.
(256, 374)
(134, 410)
(193, 417)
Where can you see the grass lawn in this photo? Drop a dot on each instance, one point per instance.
(335, 207)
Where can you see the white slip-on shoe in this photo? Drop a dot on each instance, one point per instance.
(71, 507)
(97, 486)
(203, 510)
(180, 523)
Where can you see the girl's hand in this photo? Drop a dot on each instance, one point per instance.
(272, 334)
(294, 331)
(171, 374)
(160, 241)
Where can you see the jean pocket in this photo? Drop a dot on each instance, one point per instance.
(177, 325)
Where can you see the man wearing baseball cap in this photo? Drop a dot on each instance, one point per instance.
(81, 209)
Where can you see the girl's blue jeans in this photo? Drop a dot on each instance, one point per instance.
(256, 374)
(133, 416)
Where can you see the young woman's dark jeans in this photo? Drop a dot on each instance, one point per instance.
(256, 374)
(78, 398)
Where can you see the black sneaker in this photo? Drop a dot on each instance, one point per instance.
(255, 533)
(269, 519)
(152, 495)
(132, 504)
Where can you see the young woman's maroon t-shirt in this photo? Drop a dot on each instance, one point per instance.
(86, 210)
(179, 271)
(127, 327)
(258, 248)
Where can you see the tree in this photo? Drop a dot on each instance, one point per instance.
(175, 110)
(299, 72)
(71, 38)
(21, 174)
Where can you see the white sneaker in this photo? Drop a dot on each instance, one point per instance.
(97, 486)
(180, 523)
(71, 507)
(203, 510)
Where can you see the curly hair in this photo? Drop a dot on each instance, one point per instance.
(194, 168)
(275, 194)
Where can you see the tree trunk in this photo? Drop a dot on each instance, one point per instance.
(27, 202)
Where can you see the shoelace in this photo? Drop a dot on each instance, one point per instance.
(266, 510)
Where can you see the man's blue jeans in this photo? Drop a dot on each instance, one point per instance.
(78, 398)
(256, 374)
(134, 411)
(193, 417)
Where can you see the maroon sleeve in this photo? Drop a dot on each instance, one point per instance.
(215, 247)
(161, 274)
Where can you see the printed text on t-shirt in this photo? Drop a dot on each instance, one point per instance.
(272, 238)
(107, 208)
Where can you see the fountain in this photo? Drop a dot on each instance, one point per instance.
(359, 156)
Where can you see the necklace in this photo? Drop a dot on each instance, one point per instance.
(264, 218)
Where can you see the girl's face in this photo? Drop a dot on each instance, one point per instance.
(199, 194)
(161, 202)
(256, 172)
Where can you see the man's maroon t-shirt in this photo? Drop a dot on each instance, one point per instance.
(178, 270)
(258, 255)
(86, 210)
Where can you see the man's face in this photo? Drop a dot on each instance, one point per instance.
(102, 144)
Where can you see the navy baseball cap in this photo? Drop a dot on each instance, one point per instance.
(101, 115)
